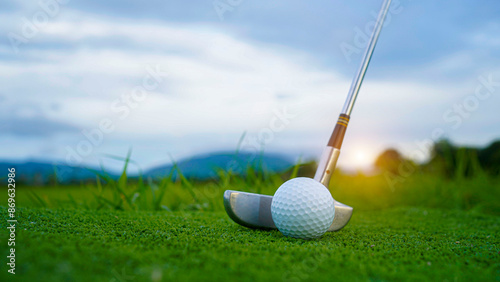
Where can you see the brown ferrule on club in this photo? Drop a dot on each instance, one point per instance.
(339, 132)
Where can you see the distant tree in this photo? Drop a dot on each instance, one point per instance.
(455, 161)
(446, 159)
(389, 160)
(489, 158)
(443, 158)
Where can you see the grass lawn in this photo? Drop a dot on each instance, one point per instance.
(393, 244)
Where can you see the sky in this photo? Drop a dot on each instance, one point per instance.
(82, 81)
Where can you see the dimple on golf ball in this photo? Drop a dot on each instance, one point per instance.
(302, 208)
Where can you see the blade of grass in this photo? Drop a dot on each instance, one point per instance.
(184, 180)
(38, 199)
(295, 170)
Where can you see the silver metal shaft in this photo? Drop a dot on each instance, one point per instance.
(358, 79)
(327, 165)
(330, 155)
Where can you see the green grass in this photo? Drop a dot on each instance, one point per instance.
(417, 244)
(412, 186)
(478, 194)
(420, 227)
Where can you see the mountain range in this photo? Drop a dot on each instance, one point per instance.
(198, 167)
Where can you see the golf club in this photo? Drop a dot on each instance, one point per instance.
(254, 210)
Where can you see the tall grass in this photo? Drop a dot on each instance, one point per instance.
(474, 191)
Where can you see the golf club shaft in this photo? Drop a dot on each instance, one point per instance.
(358, 79)
(330, 156)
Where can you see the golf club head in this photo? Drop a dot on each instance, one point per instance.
(254, 210)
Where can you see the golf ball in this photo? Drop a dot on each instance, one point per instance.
(302, 208)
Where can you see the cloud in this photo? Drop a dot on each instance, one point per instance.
(220, 84)
(217, 82)
(221, 70)
(38, 126)
(486, 36)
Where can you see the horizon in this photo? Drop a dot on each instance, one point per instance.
(135, 168)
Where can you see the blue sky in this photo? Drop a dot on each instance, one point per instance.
(85, 79)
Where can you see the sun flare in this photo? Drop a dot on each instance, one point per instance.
(360, 159)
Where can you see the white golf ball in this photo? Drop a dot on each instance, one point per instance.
(302, 208)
